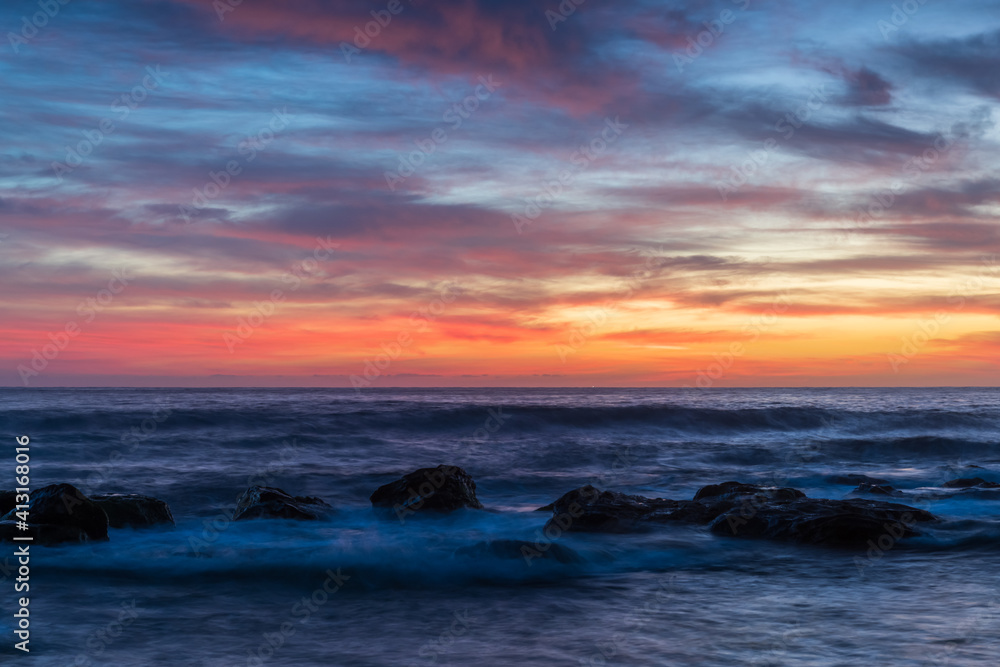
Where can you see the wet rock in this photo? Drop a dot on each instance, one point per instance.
(968, 483)
(589, 509)
(62, 513)
(827, 522)
(513, 549)
(264, 502)
(740, 510)
(738, 490)
(133, 510)
(440, 489)
(856, 480)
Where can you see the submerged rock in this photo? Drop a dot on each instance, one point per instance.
(133, 510)
(512, 549)
(60, 513)
(440, 489)
(876, 490)
(828, 522)
(971, 482)
(854, 479)
(264, 502)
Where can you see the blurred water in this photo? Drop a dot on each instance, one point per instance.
(216, 593)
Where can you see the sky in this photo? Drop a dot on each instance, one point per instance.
(499, 193)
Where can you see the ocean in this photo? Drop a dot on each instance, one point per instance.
(362, 590)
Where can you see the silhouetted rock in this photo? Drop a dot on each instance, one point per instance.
(589, 509)
(738, 490)
(829, 522)
(133, 510)
(62, 513)
(440, 489)
(967, 483)
(7, 501)
(43, 534)
(263, 502)
(876, 489)
(511, 549)
(855, 480)
(737, 509)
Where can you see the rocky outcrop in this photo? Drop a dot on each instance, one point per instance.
(738, 491)
(59, 513)
(132, 510)
(513, 549)
(588, 509)
(264, 502)
(441, 489)
(829, 522)
(739, 510)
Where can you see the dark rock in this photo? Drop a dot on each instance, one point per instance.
(133, 510)
(742, 510)
(44, 534)
(828, 522)
(63, 506)
(876, 489)
(512, 549)
(440, 489)
(263, 502)
(589, 509)
(7, 501)
(967, 483)
(855, 480)
(738, 490)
